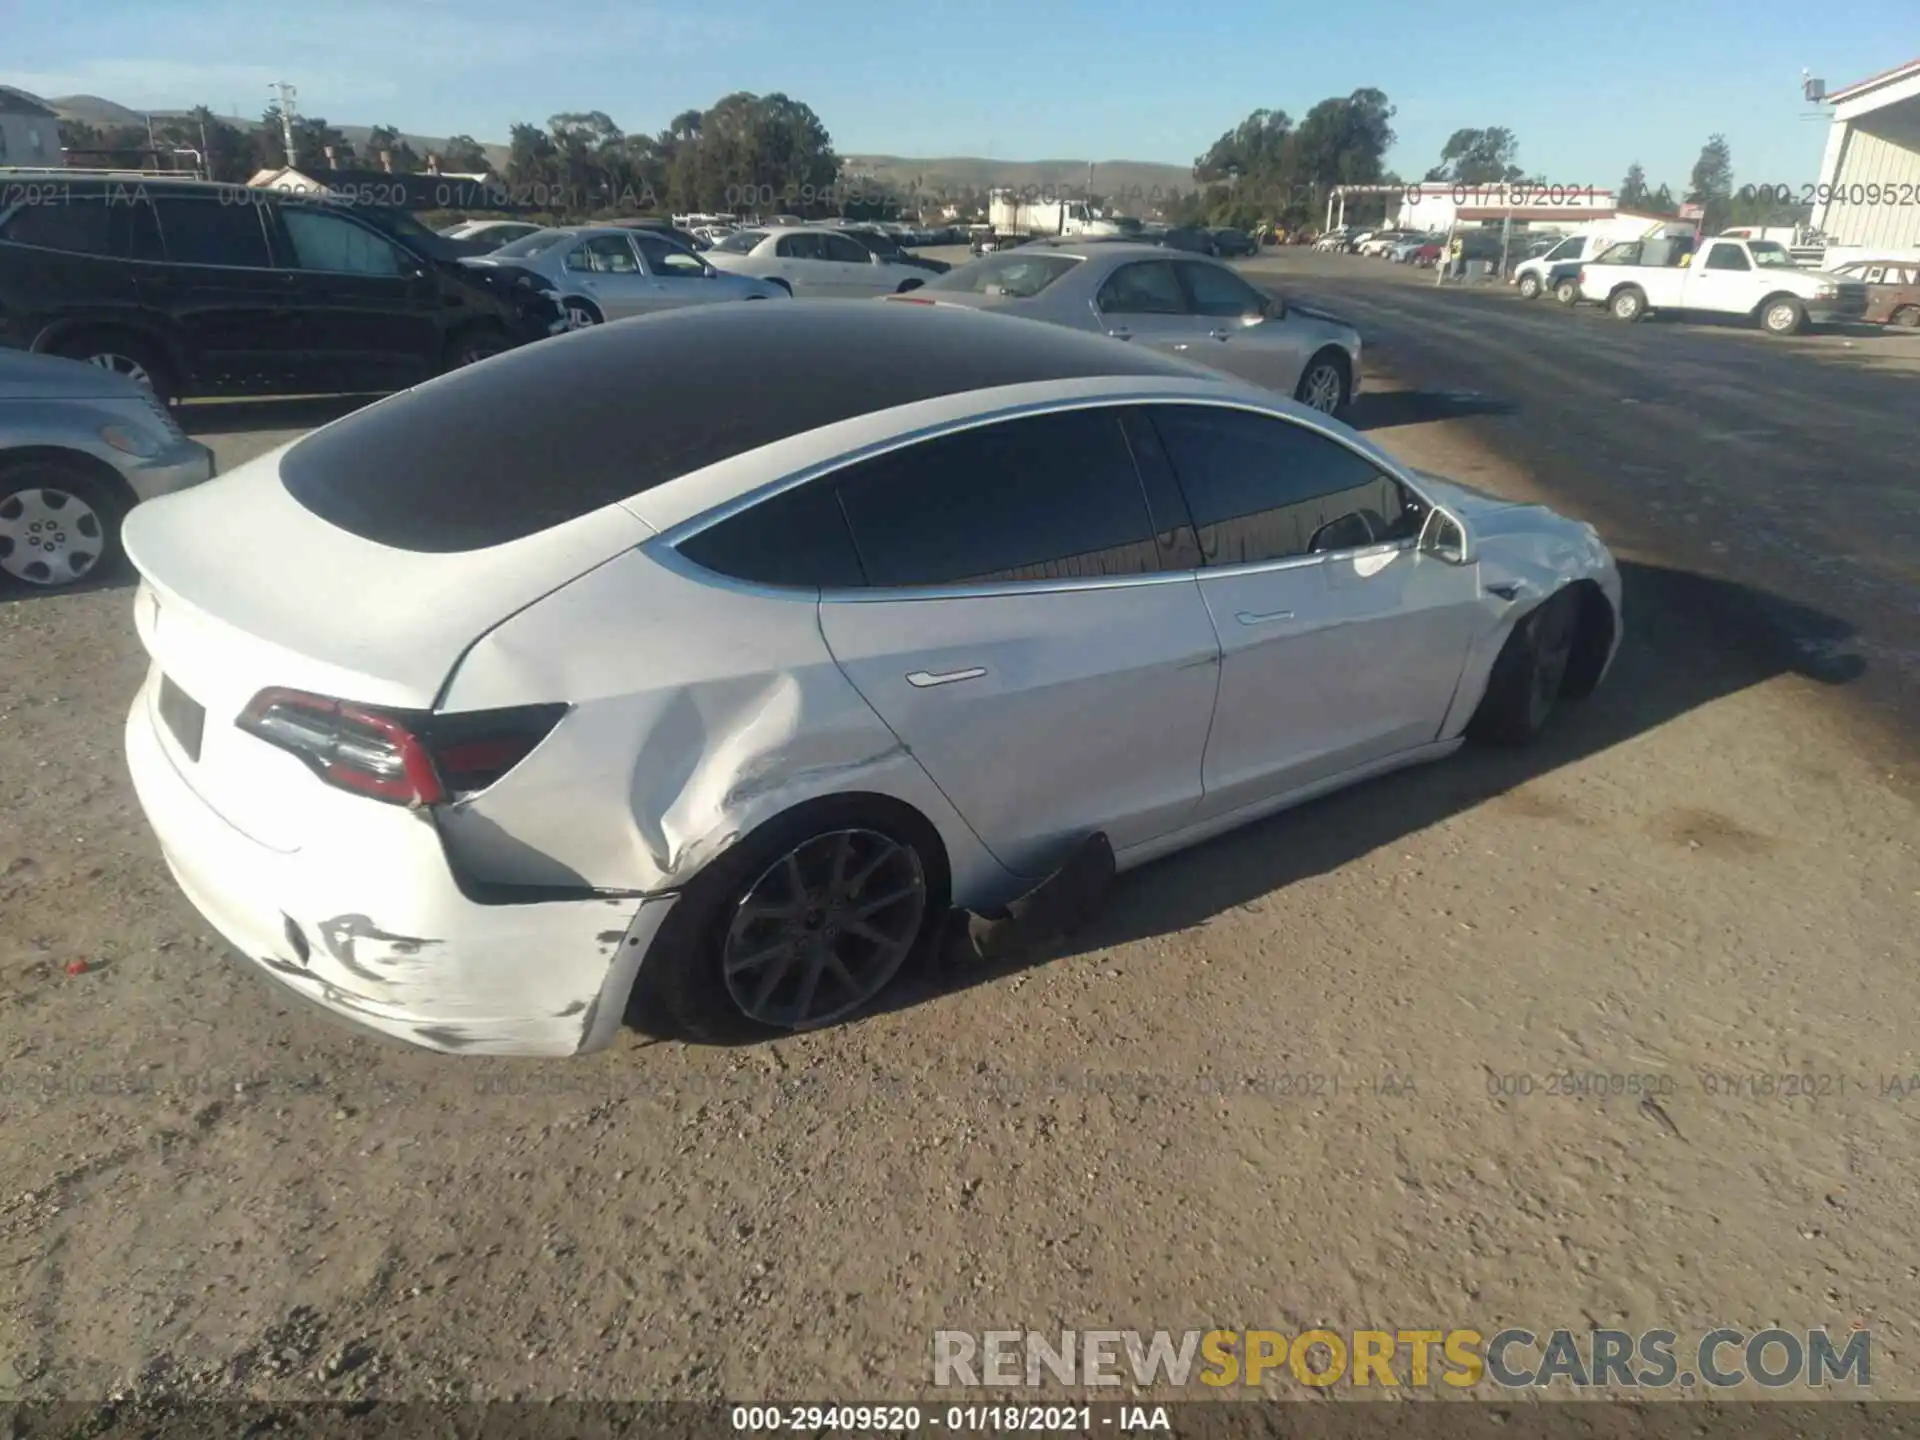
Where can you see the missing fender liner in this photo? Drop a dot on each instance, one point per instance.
(1056, 907)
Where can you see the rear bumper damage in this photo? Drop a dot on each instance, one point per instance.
(380, 933)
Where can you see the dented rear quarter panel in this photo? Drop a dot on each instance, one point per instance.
(701, 711)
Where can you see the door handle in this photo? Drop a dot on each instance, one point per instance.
(1121, 334)
(1249, 617)
(1219, 334)
(923, 679)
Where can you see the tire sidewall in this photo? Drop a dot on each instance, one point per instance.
(1796, 317)
(1627, 305)
(680, 992)
(53, 474)
(1529, 287)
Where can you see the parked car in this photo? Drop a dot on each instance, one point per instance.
(1893, 290)
(1194, 238)
(685, 239)
(604, 272)
(488, 232)
(1229, 241)
(722, 727)
(1403, 251)
(1531, 274)
(1187, 306)
(1335, 239)
(1378, 245)
(80, 446)
(1426, 256)
(202, 289)
(1752, 278)
(814, 261)
(879, 243)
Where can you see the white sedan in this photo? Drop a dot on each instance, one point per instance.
(599, 694)
(813, 261)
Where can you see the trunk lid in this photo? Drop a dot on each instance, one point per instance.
(242, 588)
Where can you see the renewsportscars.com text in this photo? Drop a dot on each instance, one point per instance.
(1512, 1359)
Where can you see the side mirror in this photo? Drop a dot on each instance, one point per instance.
(1272, 307)
(1445, 537)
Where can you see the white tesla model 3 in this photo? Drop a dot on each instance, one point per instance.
(589, 683)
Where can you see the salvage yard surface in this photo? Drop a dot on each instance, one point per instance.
(1304, 1075)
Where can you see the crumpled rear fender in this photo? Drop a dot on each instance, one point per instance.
(701, 711)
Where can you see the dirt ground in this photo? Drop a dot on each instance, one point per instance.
(1297, 1077)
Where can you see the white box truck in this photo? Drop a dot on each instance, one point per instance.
(1011, 213)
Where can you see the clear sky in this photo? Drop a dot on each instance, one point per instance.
(1586, 87)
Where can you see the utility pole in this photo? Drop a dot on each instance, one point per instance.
(284, 95)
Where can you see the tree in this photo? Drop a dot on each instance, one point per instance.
(1479, 157)
(463, 155)
(1634, 194)
(1663, 203)
(388, 140)
(1711, 184)
(1268, 169)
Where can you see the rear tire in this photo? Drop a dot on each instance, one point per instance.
(1628, 304)
(59, 522)
(1567, 292)
(683, 990)
(1529, 675)
(124, 354)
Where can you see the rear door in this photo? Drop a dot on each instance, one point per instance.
(1027, 635)
(801, 260)
(854, 264)
(1341, 644)
(1142, 301)
(367, 313)
(231, 309)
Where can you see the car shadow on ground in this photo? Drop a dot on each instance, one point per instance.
(1691, 640)
(119, 576)
(292, 412)
(1387, 409)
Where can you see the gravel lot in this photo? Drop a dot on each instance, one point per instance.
(1706, 874)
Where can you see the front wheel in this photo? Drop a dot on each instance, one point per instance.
(579, 315)
(59, 522)
(1783, 316)
(1529, 675)
(1907, 316)
(471, 346)
(1323, 385)
(1529, 287)
(1628, 304)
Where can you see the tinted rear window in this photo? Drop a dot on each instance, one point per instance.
(559, 428)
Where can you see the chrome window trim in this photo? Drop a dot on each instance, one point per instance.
(665, 547)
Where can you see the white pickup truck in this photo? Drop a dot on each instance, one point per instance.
(1728, 276)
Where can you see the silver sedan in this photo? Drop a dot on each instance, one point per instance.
(79, 447)
(1186, 305)
(608, 272)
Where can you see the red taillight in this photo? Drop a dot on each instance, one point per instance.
(404, 757)
(1581, 278)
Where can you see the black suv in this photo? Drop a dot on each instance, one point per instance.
(208, 289)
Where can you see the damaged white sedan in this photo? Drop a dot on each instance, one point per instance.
(585, 685)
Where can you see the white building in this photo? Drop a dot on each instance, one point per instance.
(1867, 180)
(29, 131)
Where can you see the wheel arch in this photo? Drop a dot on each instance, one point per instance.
(59, 332)
(93, 465)
(1595, 629)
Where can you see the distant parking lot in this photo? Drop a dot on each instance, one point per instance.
(1705, 875)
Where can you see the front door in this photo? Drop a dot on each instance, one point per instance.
(1721, 281)
(368, 313)
(1240, 338)
(1341, 644)
(1025, 635)
(676, 277)
(1142, 302)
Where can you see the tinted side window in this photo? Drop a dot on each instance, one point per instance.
(1264, 489)
(845, 249)
(799, 247)
(329, 243)
(1147, 287)
(1216, 290)
(1727, 257)
(1048, 497)
(208, 232)
(797, 538)
(79, 227)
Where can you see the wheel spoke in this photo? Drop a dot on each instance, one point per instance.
(869, 932)
(737, 964)
(868, 907)
(841, 973)
(809, 983)
(842, 852)
(770, 982)
(866, 871)
(753, 910)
